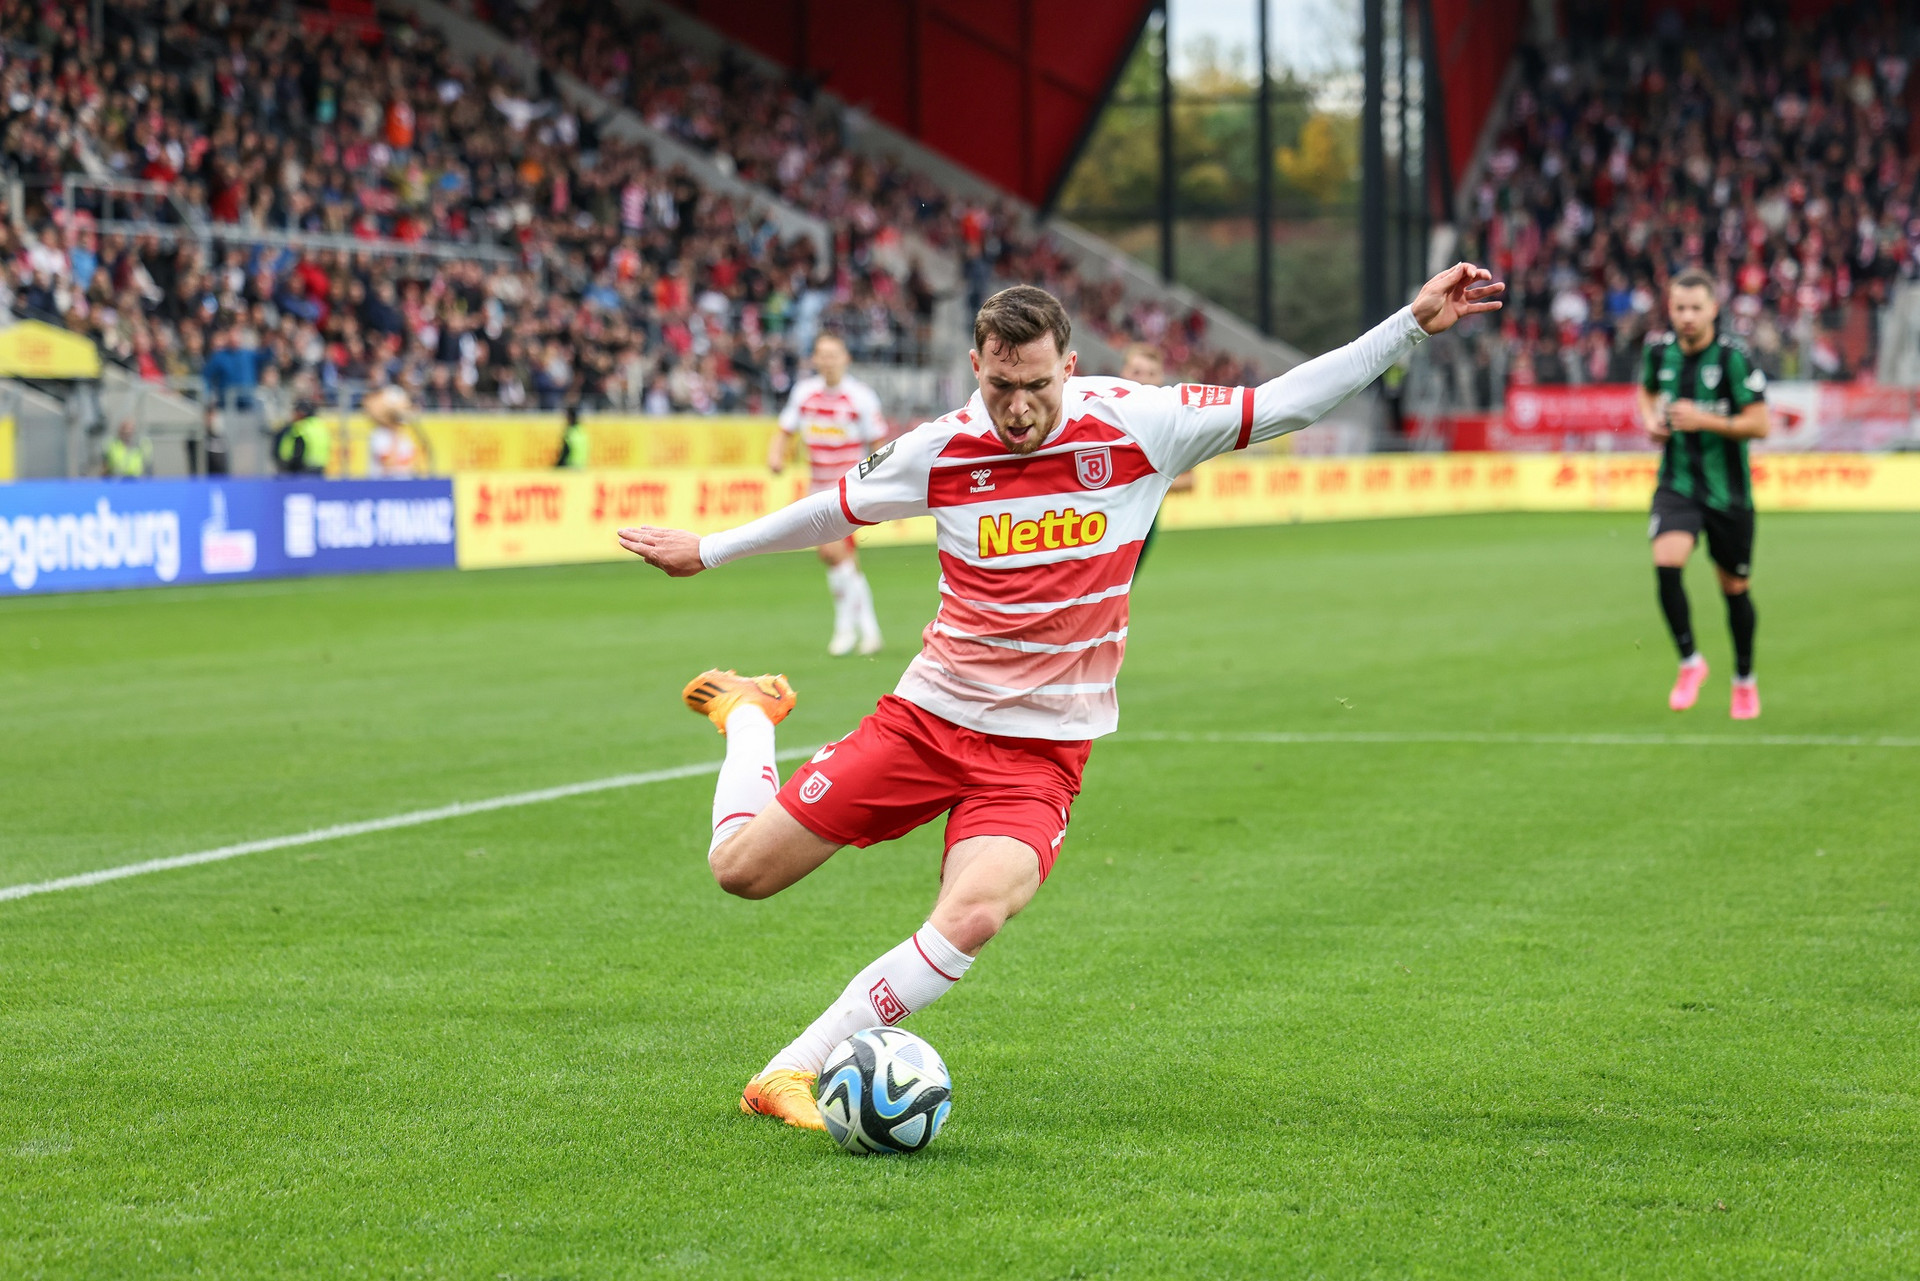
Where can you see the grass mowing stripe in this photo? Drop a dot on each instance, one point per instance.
(1497, 737)
(340, 831)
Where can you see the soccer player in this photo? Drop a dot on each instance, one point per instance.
(1041, 505)
(1145, 365)
(1703, 398)
(837, 418)
(390, 445)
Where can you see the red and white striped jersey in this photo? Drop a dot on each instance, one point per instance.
(1037, 551)
(837, 424)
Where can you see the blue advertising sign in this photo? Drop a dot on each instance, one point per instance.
(70, 535)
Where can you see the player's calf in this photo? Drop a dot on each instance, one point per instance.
(986, 881)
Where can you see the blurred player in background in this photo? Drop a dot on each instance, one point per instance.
(1703, 398)
(1144, 364)
(1041, 503)
(837, 418)
(391, 448)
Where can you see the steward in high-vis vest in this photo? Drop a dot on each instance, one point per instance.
(128, 456)
(573, 442)
(304, 445)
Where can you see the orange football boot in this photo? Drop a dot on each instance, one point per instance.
(714, 694)
(786, 1094)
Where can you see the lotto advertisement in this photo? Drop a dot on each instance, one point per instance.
(549, 517)
(71, 536)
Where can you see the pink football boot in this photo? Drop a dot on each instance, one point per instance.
(1686, 686)
(1746, 701)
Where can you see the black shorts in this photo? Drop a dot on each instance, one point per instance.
(1729, 532)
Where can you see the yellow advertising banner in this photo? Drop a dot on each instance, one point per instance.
(6, 449)
(451, 443)
(559, 517)
(549, 517)
(33, 349)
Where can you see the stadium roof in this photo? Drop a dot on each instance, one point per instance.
(1004, 87)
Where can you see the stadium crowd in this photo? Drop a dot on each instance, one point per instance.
(1779, 157)
(775, 131)
(618, 282)
(597, 276)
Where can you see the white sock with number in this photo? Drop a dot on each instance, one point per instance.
(910, 977)
(841, 580)
(748, 778)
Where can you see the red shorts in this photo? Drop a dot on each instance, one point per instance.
(904, 767)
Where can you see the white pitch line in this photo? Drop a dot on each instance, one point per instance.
(1518, 739)
(341, 831)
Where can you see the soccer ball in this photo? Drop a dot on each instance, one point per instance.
(884, 1090)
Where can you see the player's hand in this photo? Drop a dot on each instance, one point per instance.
(674, 551)
(1686, 415)
(1461, 290)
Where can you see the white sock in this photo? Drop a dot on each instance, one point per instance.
(863, 616)
(1694, 659)
(1748, 679)
(840, 581)
(748, 778)
(910, 977)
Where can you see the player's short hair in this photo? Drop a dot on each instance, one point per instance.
(827, 335)
(1146, 349)
(1692, 278)
(1019, 315)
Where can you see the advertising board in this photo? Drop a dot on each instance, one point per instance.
(69, 535)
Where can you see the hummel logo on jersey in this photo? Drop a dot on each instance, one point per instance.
(1200, 395)
(1002, 535)
(889, 1007)
(814, 788)
(877, 457)
(1094, 467)
(981, 475)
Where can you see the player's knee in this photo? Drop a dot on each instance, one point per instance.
(1730, 586)
(971, 926)
(737, 872)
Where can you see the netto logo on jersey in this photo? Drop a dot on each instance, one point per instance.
(1002, 535)
(877, 457)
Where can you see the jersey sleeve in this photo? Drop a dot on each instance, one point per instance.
(1184, 425)
(1746, 383)
(891, 483)
(872, 424)
(790, 416)
(1650, 367)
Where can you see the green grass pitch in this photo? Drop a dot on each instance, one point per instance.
(1336, 1009)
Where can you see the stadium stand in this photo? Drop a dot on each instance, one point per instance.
(255, 205)
(610, 278)
(782, 135)
(1780, 156)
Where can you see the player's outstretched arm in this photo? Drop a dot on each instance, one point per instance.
(814, 520)
(1303, 395)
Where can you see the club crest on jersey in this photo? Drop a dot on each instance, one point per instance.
(1710, 377)
(814, 788)
(982, 481)
(1202, 395)
(1094, 467)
